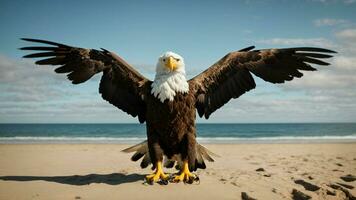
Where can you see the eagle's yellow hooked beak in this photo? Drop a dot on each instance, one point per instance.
(171, 63)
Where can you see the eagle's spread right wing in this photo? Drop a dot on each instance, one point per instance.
(121, 84)
(231, 77)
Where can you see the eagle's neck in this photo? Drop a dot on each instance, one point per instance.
(166, 86)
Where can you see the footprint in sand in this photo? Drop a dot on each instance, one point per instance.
(331, 193)
(345, 191)
(260, 169)
(245, 196)
(264, 172)
(235, 184)
(346, 186)
(337, 170)
(305, 174)
(308, 186)
(298, 195)
(348, 178)
(223, 180)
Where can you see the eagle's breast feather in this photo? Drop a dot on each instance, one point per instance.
(166, 86)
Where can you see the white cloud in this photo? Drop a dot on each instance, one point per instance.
(329, 22)
(348, 34)
(276, 108)
(335, 1)
(298, 42)
(31, 93)
(340, 74)
(332, 86)
(23, 78)
(349, 1)
(346, 63)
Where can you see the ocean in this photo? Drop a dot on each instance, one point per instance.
(206, 133)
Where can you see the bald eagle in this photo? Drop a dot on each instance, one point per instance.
(168, 104)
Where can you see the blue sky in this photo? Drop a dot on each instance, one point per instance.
(201, 31)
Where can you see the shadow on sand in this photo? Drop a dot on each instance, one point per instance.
(111, 179)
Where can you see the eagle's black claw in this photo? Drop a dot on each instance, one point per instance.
(150, 182)
(147, 182)
(196, 179)
(172, 180)
(163, 182)
(191, 180)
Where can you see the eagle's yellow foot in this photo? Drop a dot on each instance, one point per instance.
(185, 175)
(158, 175)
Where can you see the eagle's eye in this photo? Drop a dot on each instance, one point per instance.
(177, 59)
(164, 60)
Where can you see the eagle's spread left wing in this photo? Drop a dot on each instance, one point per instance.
(230, 77)
(121, 84)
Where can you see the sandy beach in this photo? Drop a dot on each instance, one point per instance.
(244, 171)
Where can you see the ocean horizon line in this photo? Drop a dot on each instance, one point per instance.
(204, 140)
(206, 133)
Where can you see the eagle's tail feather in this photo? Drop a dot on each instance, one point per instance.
(146, 160)
(205, 153)
(201, 154)
(199, 162)
(141, 150)
(169, 163)
(137, 147)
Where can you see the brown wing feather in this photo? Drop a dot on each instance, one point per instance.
(230, 77)
(121, 84)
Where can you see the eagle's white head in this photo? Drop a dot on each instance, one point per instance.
(169, 63)
(170, 77)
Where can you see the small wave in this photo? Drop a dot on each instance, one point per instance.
(124, 140)
(280, 139)
(29, 139)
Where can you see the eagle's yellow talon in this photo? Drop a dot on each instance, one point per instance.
(158, 175)
(185, 175)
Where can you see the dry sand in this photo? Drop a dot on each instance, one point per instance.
(101, 171)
